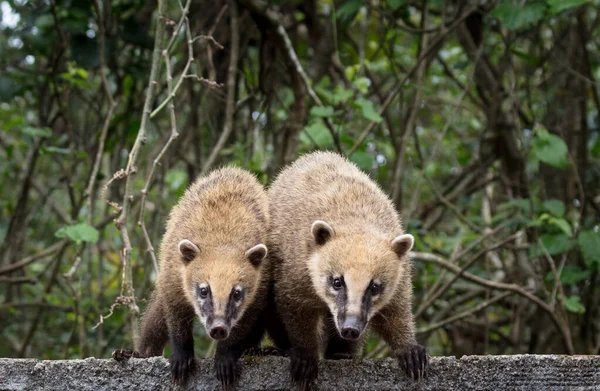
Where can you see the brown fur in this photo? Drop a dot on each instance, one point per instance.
(325, 186)
(224, 214)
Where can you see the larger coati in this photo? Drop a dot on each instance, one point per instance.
(340, 262)
(210, 267)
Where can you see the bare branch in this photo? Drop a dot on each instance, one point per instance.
(231, 83)
(399, 85)
(32, 258)
(464, 314)
(562, 328)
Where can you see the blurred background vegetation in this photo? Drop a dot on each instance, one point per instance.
(479, 118)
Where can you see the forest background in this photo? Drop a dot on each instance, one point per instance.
(479, 118)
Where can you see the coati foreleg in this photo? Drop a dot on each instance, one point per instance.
(229, 351)
(154, 329)
(154, 333)
(180, 320)
(302, 326)
(394, 323)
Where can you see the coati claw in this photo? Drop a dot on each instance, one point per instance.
(182, 367)
(304, 368)
(227, 371)
(414, 361)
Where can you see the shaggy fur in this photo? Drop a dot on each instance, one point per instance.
(218, 219)
(330, 221)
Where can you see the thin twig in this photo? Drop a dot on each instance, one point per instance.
(275, 18)
(208, 38)
(184, 11)
(174, 135)
(463, 314)
(463, 268)
(231, 84)
(121, 223)
(32, 258)
(562, 328)
(400, 85)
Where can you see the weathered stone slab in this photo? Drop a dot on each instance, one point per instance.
(493, 373)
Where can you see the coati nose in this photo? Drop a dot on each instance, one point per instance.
(352, 328)
(218, 332)
(350, 333)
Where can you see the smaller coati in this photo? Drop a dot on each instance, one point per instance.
(340, 263)
(210, 267)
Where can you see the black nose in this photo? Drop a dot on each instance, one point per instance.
(350, 333)
(218, 333)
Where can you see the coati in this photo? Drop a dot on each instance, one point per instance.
(340, 263)
(210, 267)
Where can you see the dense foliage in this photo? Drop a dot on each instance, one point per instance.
(480, 118)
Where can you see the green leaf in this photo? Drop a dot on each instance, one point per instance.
(319, 133)
(79, 233)
(176, 179)
(562, 224)
(395, 4)
(521, 203)
(362, 159)
(368, 111)
(127, 85)
(554, 243)
(524, 56)
(549, 148)
(589, 244)
(558, 6)
(13, 123)
(341, 94)
(573, 304)
(349, 8)
(37, 132)
(55, 150)
(517, 16)
(324, 112)
(570, 275)
(556, 207)
(362, 84)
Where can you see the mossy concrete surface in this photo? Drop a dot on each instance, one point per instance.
(494, 373)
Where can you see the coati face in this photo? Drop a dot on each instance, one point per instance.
(220, 283)
(356, 274)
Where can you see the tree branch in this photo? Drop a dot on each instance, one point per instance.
(564, 331)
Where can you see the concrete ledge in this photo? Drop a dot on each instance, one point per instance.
(494, 373)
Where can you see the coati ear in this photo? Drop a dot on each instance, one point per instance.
(256, 254)
(402, 244)
(321, 231)
(188, 251)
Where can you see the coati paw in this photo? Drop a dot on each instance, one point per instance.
(126, 354)
(414, 360)
(227, 371)
(304, 368)
(182, 367)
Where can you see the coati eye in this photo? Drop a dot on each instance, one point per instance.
(337, 284)
(237, 295)
(375, 289)
(203, 292)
